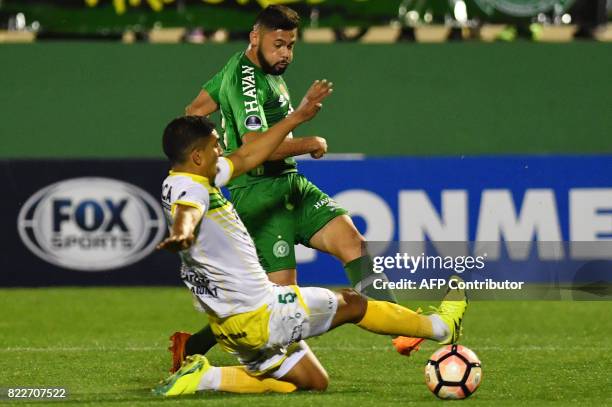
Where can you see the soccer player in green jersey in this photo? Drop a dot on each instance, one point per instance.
(279, 206)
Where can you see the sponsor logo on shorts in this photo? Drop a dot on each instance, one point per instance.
(280, 249)
(321, 203)
(238, 335)
(333, 205)
(253, 122)
(91, 224)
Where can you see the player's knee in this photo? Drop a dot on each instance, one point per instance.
(358, 239)
(349, 247)
(356, 304)
(320, 382)
(352, 240)
(315, 379)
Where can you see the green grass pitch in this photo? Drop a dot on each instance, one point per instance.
(108, 347)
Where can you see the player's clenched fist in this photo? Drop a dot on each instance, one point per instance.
(320, 148)
(311, 103)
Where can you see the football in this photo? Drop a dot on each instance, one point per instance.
(453, 372)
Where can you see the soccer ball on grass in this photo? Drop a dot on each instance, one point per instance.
(453, 372)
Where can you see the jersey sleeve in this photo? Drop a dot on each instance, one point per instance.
(225, 169)
(193, 195)
(213, 86)
(246, 97)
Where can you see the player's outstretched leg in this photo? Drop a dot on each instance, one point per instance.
(386, 318)
(197, 374)
(341, 238)
(300, 370)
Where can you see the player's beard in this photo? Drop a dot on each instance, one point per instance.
(267, 67)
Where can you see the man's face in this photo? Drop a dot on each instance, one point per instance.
(275, 49)
(209, 152)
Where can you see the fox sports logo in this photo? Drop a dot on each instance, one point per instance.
(91, 224)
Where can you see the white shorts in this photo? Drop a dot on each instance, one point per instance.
(269, 341)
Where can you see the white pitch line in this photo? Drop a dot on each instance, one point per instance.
(77, 349)
(529, 348)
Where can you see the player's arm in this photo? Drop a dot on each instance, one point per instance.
(182, 236)
(207, 101)
(202, 105)
(291, 147)
(258, 150)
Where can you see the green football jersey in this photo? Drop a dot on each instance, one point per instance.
(250, 100)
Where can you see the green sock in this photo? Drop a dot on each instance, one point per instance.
(200, 342)
(361, 276)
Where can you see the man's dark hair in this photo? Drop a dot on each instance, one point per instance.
(181, 133)
(278, 18)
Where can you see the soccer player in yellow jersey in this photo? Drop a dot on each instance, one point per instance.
(261, 323)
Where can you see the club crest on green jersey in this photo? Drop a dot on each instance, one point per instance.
(280, 249)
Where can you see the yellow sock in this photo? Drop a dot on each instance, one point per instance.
(387, 318)
(235, 379)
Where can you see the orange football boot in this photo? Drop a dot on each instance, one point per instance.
(177, 348)
(407, 346)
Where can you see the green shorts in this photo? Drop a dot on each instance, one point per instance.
(281, 212)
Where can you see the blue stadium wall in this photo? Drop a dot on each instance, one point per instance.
(96, 222)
